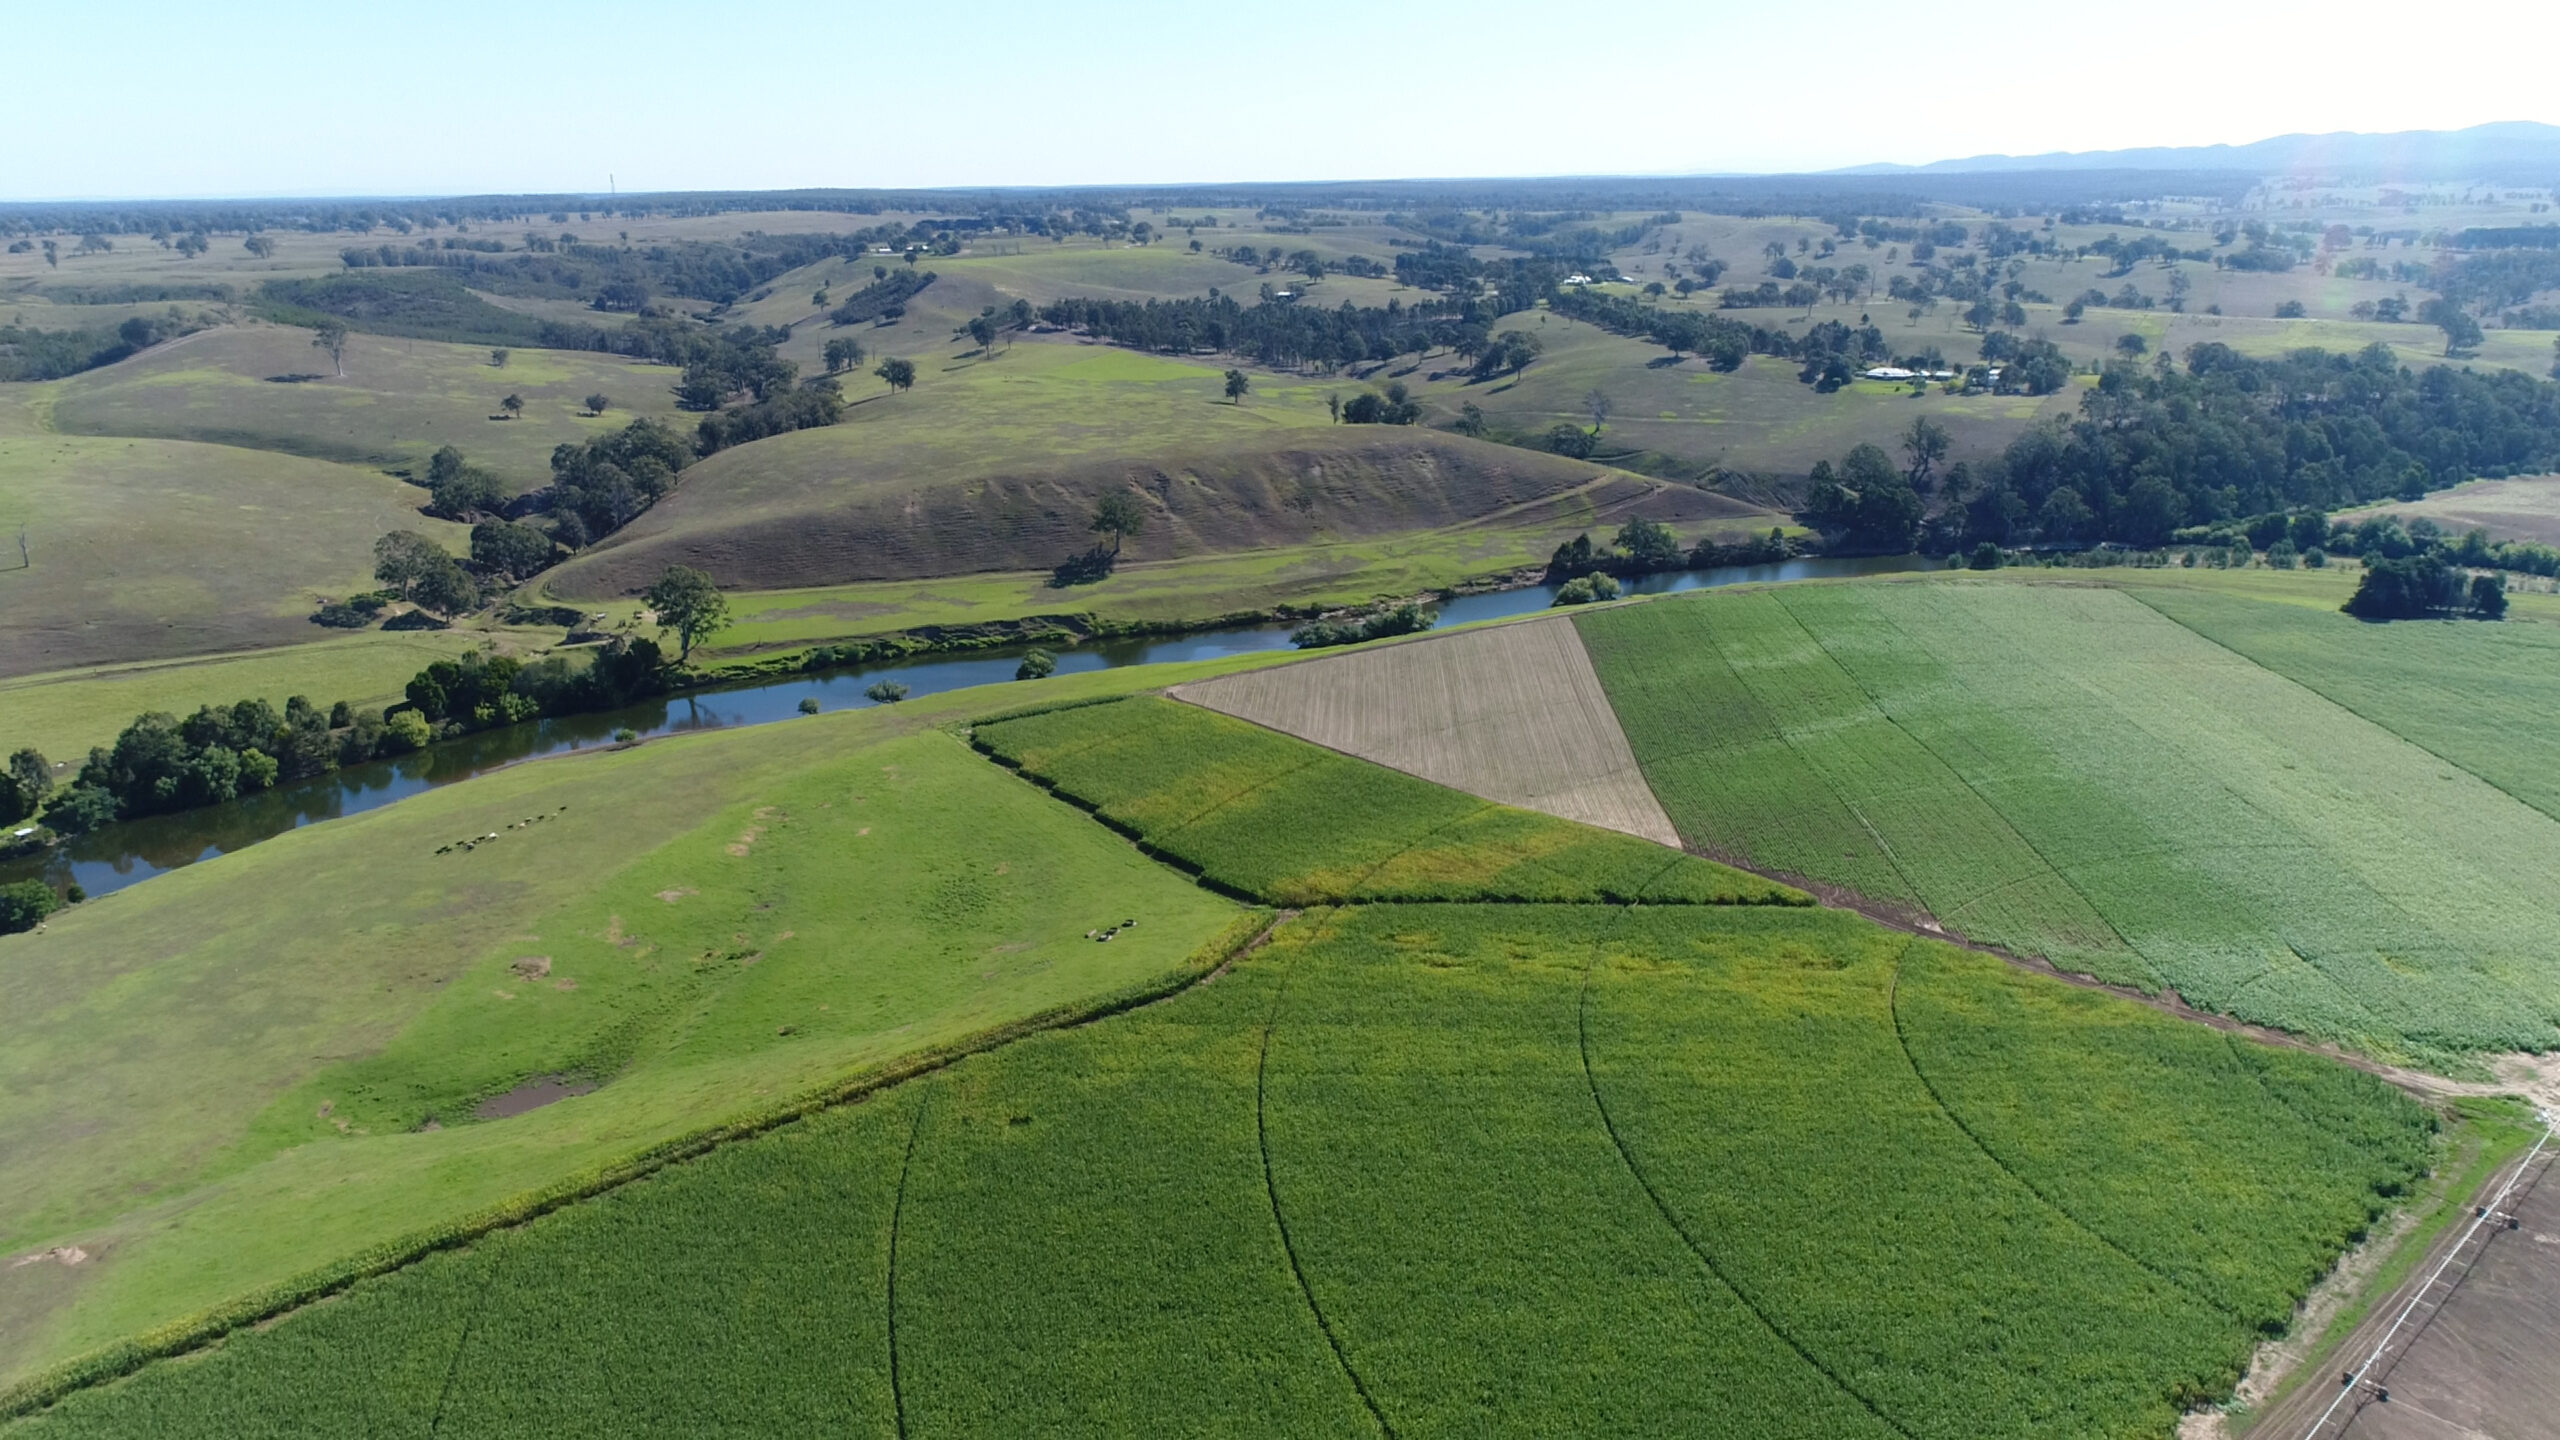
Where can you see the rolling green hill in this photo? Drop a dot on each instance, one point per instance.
(143, 549)
(995, 465)
(399, 400)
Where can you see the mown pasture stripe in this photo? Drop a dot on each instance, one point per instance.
(1893, 1004)
(1288, 1246)
(1626, 1157)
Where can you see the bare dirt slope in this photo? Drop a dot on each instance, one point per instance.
(2524, 508)
(1513, 714)
(751, 518)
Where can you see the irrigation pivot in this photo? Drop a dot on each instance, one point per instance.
(2491, 1217)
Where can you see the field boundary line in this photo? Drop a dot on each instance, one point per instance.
(1280, 1222)
(897, 1218)
(1902, 1042)
(1626, 1157)
(193, 1332)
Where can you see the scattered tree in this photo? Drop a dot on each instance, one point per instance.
(598, 403)
(1038, 665)
(1237, 384)
(1924, 444)
(685, 601)
(982, 329)
(1597, 404)
(259, 246)
(843, 355)
(885, 692)
(901, 374)
(331, 336)
(513, 405)
(1118, 515)
(498, 359)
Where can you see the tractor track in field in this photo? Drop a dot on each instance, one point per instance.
(1902, 1042)
(1288, 1245)
(1662, 1207)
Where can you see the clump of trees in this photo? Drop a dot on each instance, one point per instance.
(601, 485)
(161, 763)
(2419, 586)
(31, 354)
(1407, 619)
(1588, 589)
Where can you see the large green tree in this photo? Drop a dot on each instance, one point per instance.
(686, 602)
(1118, 515)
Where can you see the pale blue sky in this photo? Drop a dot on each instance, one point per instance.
(281, 97)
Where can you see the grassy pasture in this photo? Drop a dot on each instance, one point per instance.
(1539, 1169)
(1260, 813)
(994, 465)
(399, 401)
(2067, 772)
(253, 1068)
(64, 712)
(143, 549)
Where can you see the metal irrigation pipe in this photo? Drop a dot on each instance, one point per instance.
(2348, 1386)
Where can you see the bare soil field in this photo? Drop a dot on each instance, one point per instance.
(1513, 714)
(2487, 1362)
(2525, 508)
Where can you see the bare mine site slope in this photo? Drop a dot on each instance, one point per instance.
(1514, 714)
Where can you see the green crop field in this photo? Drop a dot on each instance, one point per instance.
(2067, 772)
(398, 402)
(1261, 814)
(1428, 1170)
(263, 1066)
(144, 549)
(2477, 696)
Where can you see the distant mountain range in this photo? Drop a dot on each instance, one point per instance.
(2509, 152)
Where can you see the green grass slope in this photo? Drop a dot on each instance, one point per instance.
(145, 549)
(255, 1068)
(2066, 772)
(1427, 1170)
(994, 466)
(1263, 814)
(398, 402)
(64, 712)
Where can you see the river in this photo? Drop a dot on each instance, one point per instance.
(132, 851)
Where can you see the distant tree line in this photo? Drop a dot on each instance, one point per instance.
(1279, 335)
(2159, 447)
(1643, 547)
(31, 354)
